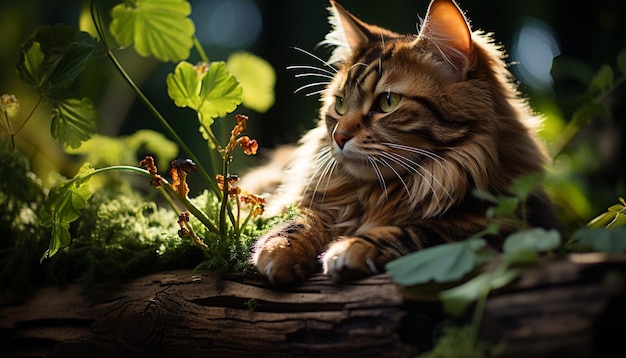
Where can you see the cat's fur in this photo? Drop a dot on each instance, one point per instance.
(379, 178)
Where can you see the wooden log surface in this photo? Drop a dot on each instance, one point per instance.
(574, 307)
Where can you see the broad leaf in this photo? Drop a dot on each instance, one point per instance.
(63, 206)
(208, 89)
(73, 121)
(524, 185)
(159, 28)
(71, 65)
(604, 240)
(456, 300)
(257, 77)
(443, 263)
(536, 239)
(614, 217)
(220, 92)
(55, 56)
(30, 64)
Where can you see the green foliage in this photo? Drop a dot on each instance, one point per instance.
(55, 57)
(126, 149)
(159, 28)
(73, 121)
(63, 206)
(208, 89)
(602, 240)
(442, 263)
(615, 216)
(257, 77)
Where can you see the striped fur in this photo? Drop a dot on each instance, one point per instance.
(375, 185)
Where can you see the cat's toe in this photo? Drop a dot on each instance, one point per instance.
(281, 263)
(352, 258)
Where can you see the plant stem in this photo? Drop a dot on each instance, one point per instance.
(198, 47)
(32, 111)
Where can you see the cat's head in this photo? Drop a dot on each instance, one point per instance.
(430, 105)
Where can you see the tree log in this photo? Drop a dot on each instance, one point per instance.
(572, 307)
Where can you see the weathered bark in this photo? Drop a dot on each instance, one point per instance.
(563, 308)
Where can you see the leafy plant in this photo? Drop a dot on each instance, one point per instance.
(53, 59)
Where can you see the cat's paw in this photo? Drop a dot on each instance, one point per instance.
(281, 261)
(352, 258)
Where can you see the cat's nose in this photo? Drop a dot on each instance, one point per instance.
(341, 138)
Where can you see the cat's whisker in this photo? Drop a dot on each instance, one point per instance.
(310, 85)
(309, 67)
(315, 93)
(381, 180)
(431, 155)
(325, 63)
(357, 64)
(417, 168)
(326, 163)
(397, 161)
(310, 74)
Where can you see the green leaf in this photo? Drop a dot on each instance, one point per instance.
(71, 65)
(55, 56)
(73, 121)
(63, 206)
(535, 239)
(159, 28)
(456, 300)
(506, 206)
(443, 263)
(257, 77)
(209, 89)
(524, 185)
(621, 61)
(30, 64)
(603, 240)
(220, 91)
(601, 81)
(614, 217)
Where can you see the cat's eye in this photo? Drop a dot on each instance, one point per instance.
(340, 105)
(388, 101)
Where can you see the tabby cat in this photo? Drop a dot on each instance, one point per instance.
(410, 125)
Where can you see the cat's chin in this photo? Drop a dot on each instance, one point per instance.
(359, 170)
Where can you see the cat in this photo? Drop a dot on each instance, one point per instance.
(409, 126)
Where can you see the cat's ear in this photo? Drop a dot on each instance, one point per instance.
(446, 27)
(348, 33)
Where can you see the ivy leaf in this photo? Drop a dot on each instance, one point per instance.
(257, 77)
(63, 206)
(73, 121)
(456, 300)
(443, 263)
(209, 89)
(535, 239)
(159, 28)
(603, 240)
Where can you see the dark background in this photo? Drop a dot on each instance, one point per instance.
(589, 34)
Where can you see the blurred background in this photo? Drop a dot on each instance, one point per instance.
(556, 47)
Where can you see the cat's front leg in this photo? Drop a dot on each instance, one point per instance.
(290, 252)
(365, 254)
